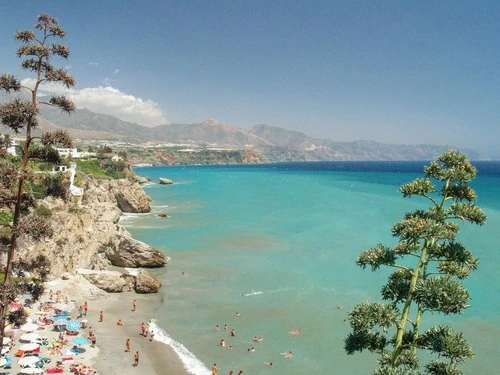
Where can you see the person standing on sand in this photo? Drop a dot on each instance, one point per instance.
(136, 359)
(85, 308)
(127, 345)
(133, 305)
(101, 316)
(214, 369)
(143, 329)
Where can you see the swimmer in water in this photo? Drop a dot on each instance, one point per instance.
(295, 332)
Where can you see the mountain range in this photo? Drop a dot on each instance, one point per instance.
(273, 143)
(277, 144)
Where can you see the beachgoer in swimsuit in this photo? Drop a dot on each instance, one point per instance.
(136, 359)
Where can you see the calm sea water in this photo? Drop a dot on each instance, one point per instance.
(277, 244)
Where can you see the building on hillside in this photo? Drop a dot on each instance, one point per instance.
(11, 147)
(11, 150)
(74, 153)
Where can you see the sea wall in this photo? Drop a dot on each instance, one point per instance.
(87, 234)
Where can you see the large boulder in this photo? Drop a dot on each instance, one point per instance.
(125, 251)
(165, 181)
(139, 179)
(130, 197)
(146, 283)
(109, 281)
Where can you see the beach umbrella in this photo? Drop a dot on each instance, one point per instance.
(15, 306)
(61, 306)
(29, 327)
(73, 325)
(3, 362)
(6, 340)
(79, 340)
(28, 361)
(31, 370)
(60, 322)
(30, 337)
(29, 347)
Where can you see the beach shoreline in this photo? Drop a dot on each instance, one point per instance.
(155, 357)
(108, 356)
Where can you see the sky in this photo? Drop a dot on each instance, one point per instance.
(406, 72)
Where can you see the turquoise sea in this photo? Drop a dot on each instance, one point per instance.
(277, 244)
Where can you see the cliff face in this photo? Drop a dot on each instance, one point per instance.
(88, 236)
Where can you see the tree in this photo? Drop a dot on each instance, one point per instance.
(20, 116)
(429, 265)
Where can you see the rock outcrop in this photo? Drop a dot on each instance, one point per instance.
(165, 181)
(125, 251)
(88, 235)
(109, 281)
(145, 283)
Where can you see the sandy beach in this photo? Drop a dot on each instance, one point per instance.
(109, 355)
(155, 357)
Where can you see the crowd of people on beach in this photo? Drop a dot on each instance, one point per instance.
(52, 316)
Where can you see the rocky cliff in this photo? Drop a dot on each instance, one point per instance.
(87, 234)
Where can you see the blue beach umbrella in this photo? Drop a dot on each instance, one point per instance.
(79, 340)
(73, 325)
(60, 322)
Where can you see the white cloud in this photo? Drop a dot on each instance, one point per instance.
(116, 71)
(93, 63)
(109, 101)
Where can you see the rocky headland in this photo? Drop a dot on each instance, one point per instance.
(89, 242)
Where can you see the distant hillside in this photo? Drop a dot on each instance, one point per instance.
(270, 142)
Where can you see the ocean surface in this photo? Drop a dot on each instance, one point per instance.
(269, 249)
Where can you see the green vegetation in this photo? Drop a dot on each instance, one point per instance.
(103, 168)
(90, 167)
(429, 268)
(20, 116)
(5, 218)
(43, 211)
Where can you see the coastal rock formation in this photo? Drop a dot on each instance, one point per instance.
(165, 181)
(127, 195)
(85, 234)
(125, 251)
(139, 179)
(79, 288)
(109, 281)
(145, 283)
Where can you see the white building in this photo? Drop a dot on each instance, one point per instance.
(74, 153)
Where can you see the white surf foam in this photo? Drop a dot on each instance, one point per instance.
(192, 364)
(252, 293)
